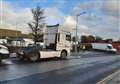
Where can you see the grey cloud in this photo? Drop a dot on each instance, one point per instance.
(111, 7)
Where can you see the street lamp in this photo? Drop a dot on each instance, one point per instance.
(76, 39)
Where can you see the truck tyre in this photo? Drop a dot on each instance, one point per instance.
(20, 58)
(35, 57)
(63, 55)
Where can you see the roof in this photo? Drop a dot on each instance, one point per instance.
(53, 25)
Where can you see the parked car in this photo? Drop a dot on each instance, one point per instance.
(4, 52)
(30, 53)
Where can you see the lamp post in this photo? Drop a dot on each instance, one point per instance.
(76, 37)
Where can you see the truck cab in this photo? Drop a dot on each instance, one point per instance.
(63, 41)
(57, 40)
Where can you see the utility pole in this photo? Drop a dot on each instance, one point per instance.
(76, 37)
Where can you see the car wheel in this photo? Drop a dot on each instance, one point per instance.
(35, 57)
(63, 55)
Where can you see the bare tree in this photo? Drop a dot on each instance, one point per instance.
(37, 24)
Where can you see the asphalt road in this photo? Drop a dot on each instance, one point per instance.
(88, 68)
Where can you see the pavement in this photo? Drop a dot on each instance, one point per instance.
(86, 68)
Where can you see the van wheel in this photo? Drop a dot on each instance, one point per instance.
(35, 57)
(63, 55)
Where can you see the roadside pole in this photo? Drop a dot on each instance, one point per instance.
(76, 37)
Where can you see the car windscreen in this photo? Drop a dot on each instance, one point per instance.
(68, 37)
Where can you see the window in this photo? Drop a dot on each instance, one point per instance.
(68, 37)
(109, 47)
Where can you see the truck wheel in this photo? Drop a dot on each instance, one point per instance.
(63, 55)
(35, 57)
(20, 57)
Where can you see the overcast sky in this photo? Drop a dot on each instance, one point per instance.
(101, 18)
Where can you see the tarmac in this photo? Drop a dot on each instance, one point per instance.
(114, 78)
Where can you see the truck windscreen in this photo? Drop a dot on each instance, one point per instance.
(68, 37)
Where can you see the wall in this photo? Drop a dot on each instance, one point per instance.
(116, 45)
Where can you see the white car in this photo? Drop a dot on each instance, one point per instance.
(4, 52)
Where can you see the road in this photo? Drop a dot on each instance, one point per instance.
(88, 68)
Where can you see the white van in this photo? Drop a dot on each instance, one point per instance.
(4, 52)
(104, 47)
